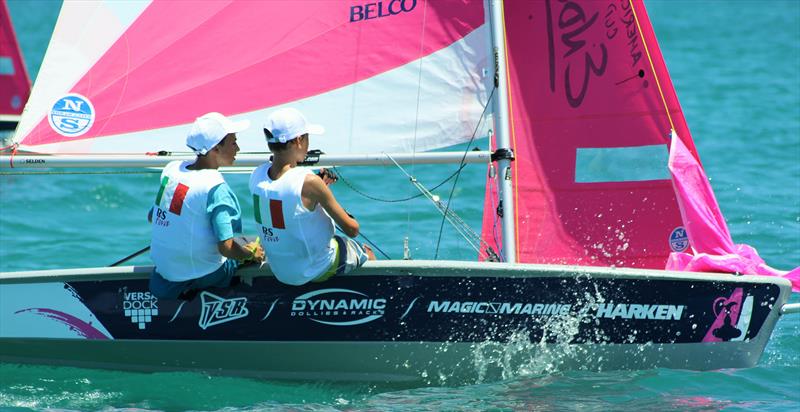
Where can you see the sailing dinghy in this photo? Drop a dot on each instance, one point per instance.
(14, 82)
(580, 218)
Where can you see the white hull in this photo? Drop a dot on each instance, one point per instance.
(419, 328)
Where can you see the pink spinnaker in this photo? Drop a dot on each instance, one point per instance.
(711, 242)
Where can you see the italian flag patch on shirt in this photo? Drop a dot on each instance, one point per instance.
(171, 195)
(269, 213)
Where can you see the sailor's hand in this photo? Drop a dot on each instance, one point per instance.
(256, 251)
(327, 176)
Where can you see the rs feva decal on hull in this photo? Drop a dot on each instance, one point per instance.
(46, 310)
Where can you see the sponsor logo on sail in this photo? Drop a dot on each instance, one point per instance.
(216, 310)
(71, 115)
(338, 307)
(140, 307)
(499, 308)
(639, 311)
(381, 9)
(678, 239)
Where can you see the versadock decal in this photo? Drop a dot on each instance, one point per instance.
(139, 306)
(71, 115)
(338, 307)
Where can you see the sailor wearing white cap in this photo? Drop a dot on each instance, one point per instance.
(296, 210)
(196, 215)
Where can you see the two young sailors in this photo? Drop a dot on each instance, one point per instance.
(196, 214)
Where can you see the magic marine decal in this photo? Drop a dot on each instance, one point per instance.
(500, 308)
(440, 309)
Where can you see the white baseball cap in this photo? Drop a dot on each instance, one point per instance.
(286, 124)
(209, 129)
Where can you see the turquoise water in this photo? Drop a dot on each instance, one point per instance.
(735, 68)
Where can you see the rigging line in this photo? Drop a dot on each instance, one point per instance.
(495, 219)
(652, 67)
(370, 197)
(458, 172)
(371, 243)
(461, 227)
(416, 110)
(462, 165)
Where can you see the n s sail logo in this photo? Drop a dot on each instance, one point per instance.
(679, 239)
(71, 115)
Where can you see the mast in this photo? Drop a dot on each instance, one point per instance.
(504, 153)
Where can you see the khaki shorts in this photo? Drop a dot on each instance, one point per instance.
(349, 256)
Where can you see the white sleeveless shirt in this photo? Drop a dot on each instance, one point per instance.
(295, 239)
(183, 245)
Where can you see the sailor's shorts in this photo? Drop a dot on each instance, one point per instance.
(349, 256)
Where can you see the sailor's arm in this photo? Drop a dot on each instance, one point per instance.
(224, 212)
(315, 191)
(233, 250)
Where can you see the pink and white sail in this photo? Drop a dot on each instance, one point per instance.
(128, 77)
